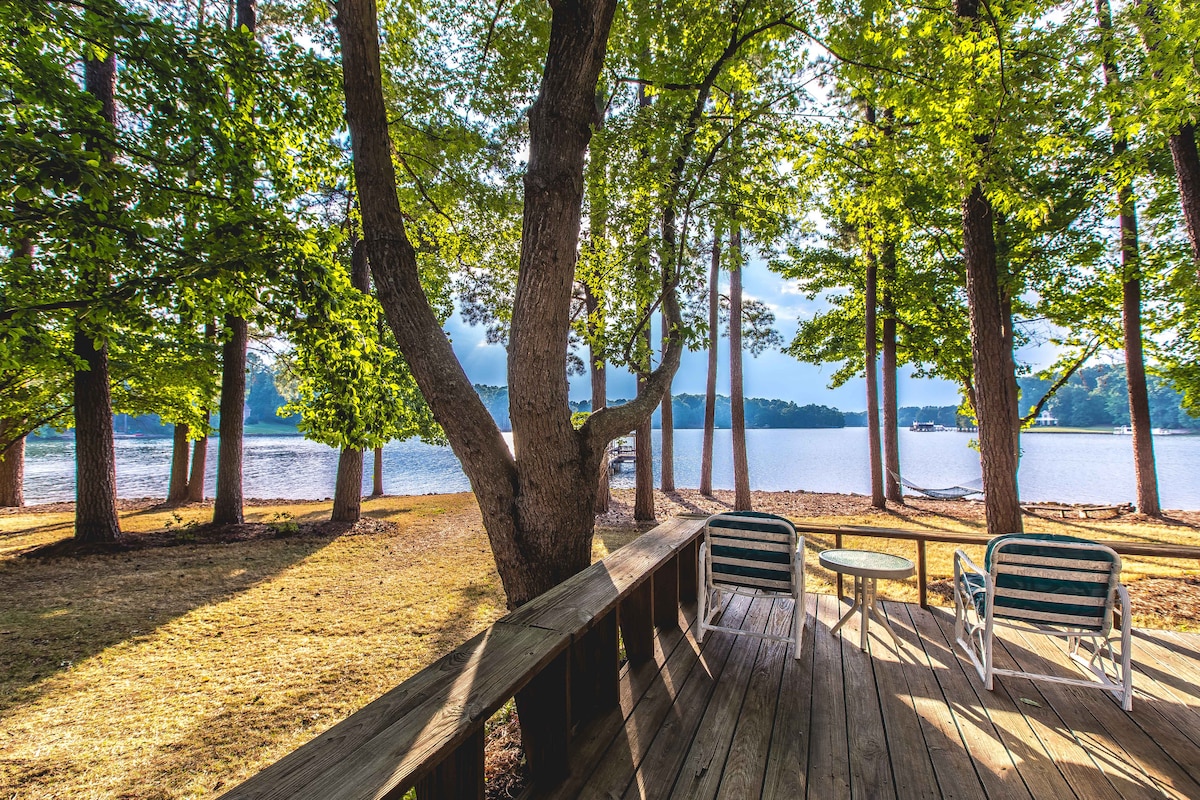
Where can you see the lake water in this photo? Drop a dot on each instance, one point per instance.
(1072, 468)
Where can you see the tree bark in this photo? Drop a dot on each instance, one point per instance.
(1131, 294)
(195, 492)
(891, 425)
(710, 391)
(599, 375)
(95, 459)
(177, 490)
(643, 463)
(667, 479)
(870, 335)
(1187, 175)
(737, 405)
(227, 506)
(12, 467)
(994, 402)
(538, 510)
(347, 498)
(377, 484)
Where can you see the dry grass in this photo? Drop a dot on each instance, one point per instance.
(175, 672)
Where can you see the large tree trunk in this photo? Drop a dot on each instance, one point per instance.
(95, 459)
(737, 404)
(227, 506)
(870, 335)
(377, 483)
(891, 424)
(710, 390)
(537, 509)
(643, 460)
(195, 491)
(1131, 294)
(1187, 174)
(994, 401)
(667, 479)
(12, 467)
(347, 499)
(177, 489)
(599, 376)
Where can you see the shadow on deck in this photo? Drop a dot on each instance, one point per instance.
(741, 718)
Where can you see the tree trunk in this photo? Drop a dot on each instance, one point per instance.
(710, 391)
(195, 492)
(643, 463)
(667, 479)
(177, 490)
(347, 496)
(1131, 292)
(891, 425)
(538, 510)
(12, 467)
(994, 401)
(599, 375)
(95, 460)
(227, 506)
(737, 405)
(1187, 174)
(377, 484)
(870, 335)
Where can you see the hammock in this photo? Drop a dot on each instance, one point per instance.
(956, 492)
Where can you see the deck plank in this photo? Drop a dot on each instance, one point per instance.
(870, 769)
(1110, 728)
(787, 762)
(828, 752)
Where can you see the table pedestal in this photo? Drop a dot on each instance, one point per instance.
(864, 602)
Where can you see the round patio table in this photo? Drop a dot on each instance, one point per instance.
(867, 567)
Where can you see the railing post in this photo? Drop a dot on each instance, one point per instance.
(459, 776)
(637, 623)
(922, 576)
(544, 707)
(689, 561)
(666, 594)
(595, 670)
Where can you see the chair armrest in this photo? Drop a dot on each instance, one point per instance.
(961, 559)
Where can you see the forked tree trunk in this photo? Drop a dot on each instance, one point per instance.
(95, 459)
(891, 430)
(347, 504)
(737, 405)
(177, 489)
(667, 479)
(710, 390)
(377, 484)
(1131, 298)
(870, 334)
(12, 467)
(227, 506)
(1187, 175)
(643, 460)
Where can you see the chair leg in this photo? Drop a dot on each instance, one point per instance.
(799, 613)
(702, 597)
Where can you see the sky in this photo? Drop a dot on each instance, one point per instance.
(772, 374)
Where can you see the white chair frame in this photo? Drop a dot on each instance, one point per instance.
(1106, 669)
(711, 594)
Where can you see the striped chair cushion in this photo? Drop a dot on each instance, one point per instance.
(751, 549)
(1039, 583)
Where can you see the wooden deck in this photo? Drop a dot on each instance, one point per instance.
(740, 718)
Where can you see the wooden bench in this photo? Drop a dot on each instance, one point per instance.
(558, 654)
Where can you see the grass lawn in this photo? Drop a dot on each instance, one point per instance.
(177, 671)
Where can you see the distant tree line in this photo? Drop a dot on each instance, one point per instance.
(1099, 395)
(907, 415)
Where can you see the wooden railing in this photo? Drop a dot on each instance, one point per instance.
(923, 537)
(558, 655)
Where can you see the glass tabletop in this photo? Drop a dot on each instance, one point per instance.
(867, 563)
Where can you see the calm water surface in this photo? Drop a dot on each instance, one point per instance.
(1072, 468)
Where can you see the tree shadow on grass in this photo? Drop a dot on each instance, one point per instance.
(78, 600)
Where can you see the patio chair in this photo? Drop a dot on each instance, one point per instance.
(1051, 585)
(751, 553)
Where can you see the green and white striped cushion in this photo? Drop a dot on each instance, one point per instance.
(1040, 583)
(751, 549)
